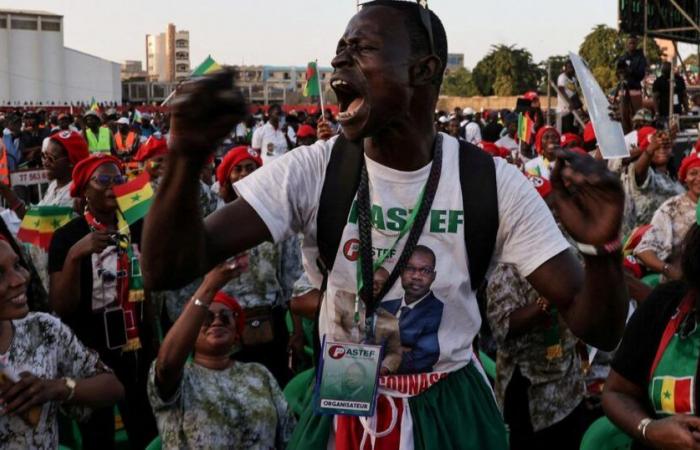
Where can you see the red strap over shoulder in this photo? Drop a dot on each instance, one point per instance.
(681, 313)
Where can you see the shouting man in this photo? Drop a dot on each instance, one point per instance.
(388, 70)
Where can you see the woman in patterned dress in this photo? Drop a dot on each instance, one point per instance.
(43, 366)
(214, 401)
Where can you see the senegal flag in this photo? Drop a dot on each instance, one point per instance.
(311, 86)
(525, 126)
(135, 197)
(40, 222)
(673, 395)
(207, 66)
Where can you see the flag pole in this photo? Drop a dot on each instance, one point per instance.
(320, 89)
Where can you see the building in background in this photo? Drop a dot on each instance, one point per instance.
(132, 69)
(36, 68)
(454, 61)
(168, 55)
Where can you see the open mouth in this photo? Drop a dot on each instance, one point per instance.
(349, 98)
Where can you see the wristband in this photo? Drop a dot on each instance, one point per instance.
(642, 427)
(543, 305)
(598, 250)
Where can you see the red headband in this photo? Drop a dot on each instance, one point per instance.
(152, 148)
(85, 168)
(235, 156)
(540, 135)
(232, 304)
(689, 162)
(74, 145)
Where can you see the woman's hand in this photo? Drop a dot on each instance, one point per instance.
(679, 432)
(225, 272)
(31, 391)
(94, 242)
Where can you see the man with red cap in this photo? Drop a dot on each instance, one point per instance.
(153, 155)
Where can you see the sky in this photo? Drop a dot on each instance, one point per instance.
(284, 32)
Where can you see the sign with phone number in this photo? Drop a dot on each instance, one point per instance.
(29, 177)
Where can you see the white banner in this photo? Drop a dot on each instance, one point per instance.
(29, 177)
(608, 132)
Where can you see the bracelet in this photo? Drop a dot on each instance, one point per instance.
(642, 426)
(598, 250)
(198, 302)
(665, 269)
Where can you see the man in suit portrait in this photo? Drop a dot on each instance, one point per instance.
(419, 313)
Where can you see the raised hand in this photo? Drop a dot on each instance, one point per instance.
(203, 112)
(588, 198)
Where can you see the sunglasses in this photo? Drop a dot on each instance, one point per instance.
(226, 316)
(105, 180)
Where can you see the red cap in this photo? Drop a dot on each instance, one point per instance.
(306, 131)
(644, 135)
(152, 148)
(571, 139)
(74, 145)
(85, 168)
(689, 162)
(235, 156)
(589, 133)
(530, 95)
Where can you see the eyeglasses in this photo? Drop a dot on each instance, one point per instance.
(419, 270)
(105, 180)
(226, 316)
(51, 159)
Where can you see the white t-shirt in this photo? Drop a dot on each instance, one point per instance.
(270, 142)
(472, 133)
(508, 142)
(569, 86)
(286, 197)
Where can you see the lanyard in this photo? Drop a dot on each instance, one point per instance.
(414, 227)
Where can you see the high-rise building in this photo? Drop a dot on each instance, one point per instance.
(168, 55)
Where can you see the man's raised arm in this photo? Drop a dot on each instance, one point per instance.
(177, 246)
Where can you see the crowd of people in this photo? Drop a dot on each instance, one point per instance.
(455, 240)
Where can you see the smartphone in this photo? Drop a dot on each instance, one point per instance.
(115, 328)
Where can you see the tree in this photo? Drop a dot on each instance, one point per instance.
(603, 46)
(459, 83)
(506, 70)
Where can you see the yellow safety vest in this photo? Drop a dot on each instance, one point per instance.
(100, 144)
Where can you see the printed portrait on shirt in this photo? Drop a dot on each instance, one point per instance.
(419, 313)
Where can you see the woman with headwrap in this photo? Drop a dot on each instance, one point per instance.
(547, 141)
(647, 180)
(65, 149)
(660, 248)
(214, 400)
(265, 288)
(96, 288)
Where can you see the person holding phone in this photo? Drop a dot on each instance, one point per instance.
(43, 365)
(213, 400)
(95, 276)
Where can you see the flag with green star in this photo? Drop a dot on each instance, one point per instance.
(135, 197)
(40, 222)
(672, 395)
